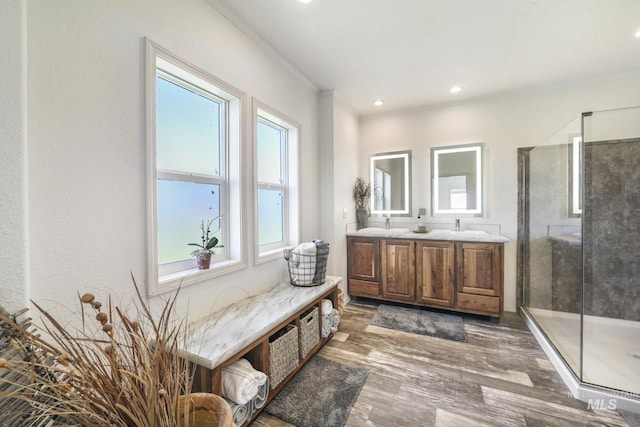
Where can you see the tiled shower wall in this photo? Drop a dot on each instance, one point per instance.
(612, 229)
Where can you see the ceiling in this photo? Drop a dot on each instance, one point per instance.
(411, 52)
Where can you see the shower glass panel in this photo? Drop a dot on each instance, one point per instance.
(611, 321)
(580, 246)
(553, 247)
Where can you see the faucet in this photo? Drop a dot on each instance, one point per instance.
(387, 225)
(457, 225)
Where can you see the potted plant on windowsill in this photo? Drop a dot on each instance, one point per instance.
(361, 194)
(207, 247)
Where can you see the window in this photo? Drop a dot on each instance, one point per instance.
(194, 164)
(276, 164)
(382, 186)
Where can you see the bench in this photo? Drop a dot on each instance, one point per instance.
(249, 328)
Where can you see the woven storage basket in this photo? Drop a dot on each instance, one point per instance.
(283, 354)
(307, 270)
(309, 331)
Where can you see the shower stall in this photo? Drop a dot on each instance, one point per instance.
(579, 254)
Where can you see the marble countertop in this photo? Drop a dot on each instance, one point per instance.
(222, 334)
(436, 234)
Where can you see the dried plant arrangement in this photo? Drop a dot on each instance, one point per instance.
(361, 193)
(121, 369)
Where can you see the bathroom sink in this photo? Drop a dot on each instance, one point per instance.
(381, 230)
(459, 233)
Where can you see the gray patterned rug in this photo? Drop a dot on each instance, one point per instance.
(320, 395)
(423, 322)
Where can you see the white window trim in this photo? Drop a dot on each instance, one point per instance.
(292, 196)
(235, 249)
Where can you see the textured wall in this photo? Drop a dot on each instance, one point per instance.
(547, 218)
(612, 229)
(14, 256)
(87, 155)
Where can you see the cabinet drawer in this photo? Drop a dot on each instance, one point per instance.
(478, 303)
(360, 287)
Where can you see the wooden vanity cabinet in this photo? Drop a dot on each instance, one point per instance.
(363, 259)
(480, 281)
(435, 273)
(398, 269)
(460, 276)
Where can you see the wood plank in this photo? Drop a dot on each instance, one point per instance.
(500, 377)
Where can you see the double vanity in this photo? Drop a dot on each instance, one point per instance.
(452, 270)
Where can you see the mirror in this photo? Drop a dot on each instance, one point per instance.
(457, 180)
(390, 183)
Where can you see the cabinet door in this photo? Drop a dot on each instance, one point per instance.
(435, 273)
(398, 269)
(481, 269)
(364, 274)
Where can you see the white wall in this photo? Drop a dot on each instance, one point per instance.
(73, 146)
(503, 122)
(14, 255)
(86, 142)
(339, 140)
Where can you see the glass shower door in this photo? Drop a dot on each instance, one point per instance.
(553, 273)
(611, 325)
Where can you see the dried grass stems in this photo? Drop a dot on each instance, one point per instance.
(130, 376)
(361, 193)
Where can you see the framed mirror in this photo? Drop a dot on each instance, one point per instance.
(456, 180)
(391, 183)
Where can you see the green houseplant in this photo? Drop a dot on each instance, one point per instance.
(207, 245)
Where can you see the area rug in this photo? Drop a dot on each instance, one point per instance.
(423, 322)
(321, 394)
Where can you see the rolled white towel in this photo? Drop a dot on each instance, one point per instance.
(303, 259)
(325, 306)
(240, 413)
(335, 320)
(261, 398)
(326, 325)
(240, 382)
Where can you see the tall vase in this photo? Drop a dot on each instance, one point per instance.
(362, 218)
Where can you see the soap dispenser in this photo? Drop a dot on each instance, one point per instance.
(420, 226)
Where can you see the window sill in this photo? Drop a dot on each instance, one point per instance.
(172, 281)
(271, 255)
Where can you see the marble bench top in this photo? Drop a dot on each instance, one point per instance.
(478, 236)
(223, 333)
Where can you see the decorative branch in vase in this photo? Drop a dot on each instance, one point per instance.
(123, 369)
(361, 195)
(208, 245)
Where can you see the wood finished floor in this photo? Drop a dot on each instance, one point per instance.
(500, 377)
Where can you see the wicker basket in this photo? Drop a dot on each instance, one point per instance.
(309, 331)
(283, 354)
(307, 270)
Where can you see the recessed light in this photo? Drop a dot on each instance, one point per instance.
(304, 1)
(378, 103)
(638, 34)
(455, 89)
